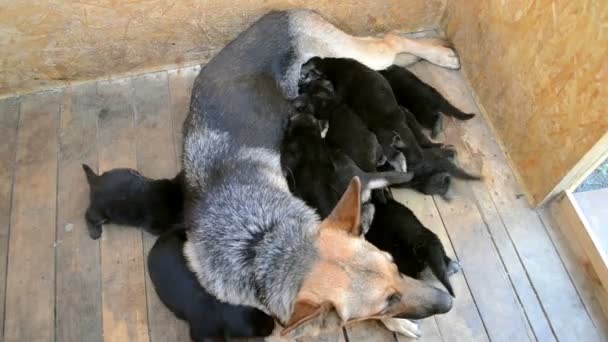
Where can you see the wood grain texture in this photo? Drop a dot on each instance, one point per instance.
(568, 213)
(30, 288)
(78, 294)
(180, 90)
(470, 234)
(51, 43)
(453, 86)
(584, 277)
(156, 160)
(463, 322)
(9, 121)
(560, 300)
(539, 69)
(122, 261)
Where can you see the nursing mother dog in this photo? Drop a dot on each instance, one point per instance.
(250, 241)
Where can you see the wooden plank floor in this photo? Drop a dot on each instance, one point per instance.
(519, 281)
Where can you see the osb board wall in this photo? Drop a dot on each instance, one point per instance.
(47, 43)
(540, 70)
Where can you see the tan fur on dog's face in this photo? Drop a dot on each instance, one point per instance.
(355, 281)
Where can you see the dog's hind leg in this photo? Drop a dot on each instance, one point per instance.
(315, 36)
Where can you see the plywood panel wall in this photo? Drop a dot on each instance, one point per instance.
(47, 43)
(540, 70)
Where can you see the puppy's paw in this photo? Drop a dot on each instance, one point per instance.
(403, 327)
(94, 231)
(453, 267)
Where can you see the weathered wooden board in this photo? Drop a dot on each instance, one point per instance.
(470, 236)
(122, 260)
(156, 159)
(30, 284)
(180, 89)
(453, 86)
(463, 322)
(576, 259)
(9, 121)
(78, 295)
(560, 301)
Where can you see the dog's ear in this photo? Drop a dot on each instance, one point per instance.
(305, 311)
(347, 213)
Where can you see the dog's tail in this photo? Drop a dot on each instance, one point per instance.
(436, 259)
(91, 175)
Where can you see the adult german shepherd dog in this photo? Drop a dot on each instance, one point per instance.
(250, 241)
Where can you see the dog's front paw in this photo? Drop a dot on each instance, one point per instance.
(403, 327)
(95, 231)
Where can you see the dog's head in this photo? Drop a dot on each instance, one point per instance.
(352, 280)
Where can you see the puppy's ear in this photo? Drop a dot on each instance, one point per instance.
(305, 311)
(301, 102)
(397, 142)
(347, 213)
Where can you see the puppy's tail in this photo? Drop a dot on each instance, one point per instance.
(379, 180)
(91, 175)
(457, 172)
(436, 259)
(454, 112)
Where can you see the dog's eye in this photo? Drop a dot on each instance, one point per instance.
(393, 299)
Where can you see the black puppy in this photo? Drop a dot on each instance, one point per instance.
(396, 230)
(346, 130)
(319, 175)
(179, 289)
(369, 96)
(126, 197)
(424, 101)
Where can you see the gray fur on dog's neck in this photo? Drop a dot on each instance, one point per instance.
(250, 241)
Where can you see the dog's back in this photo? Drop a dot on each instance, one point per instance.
(178, 288)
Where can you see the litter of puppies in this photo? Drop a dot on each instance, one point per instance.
(351, 134)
